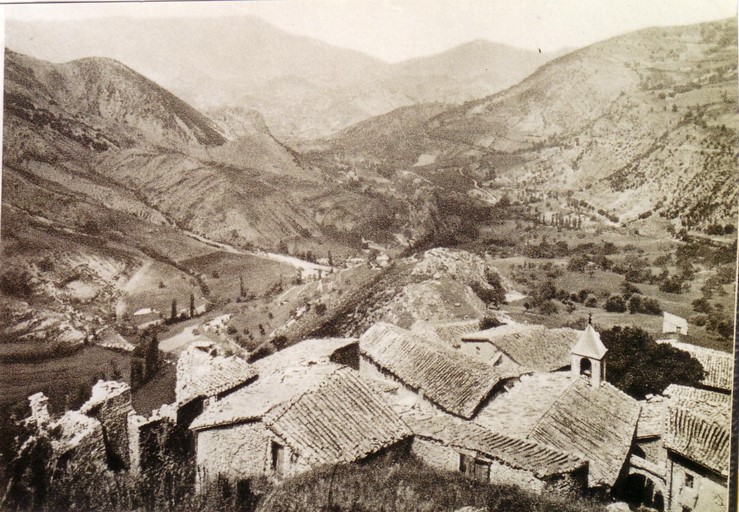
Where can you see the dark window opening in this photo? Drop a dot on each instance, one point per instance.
(278, 458)
(585, 367)
(473, 467)
(689, 481)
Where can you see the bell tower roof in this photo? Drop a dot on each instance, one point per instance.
(589, 344)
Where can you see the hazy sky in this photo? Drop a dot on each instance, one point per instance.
(398, 29)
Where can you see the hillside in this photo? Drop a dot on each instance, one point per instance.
(305, 88)
(637, 124)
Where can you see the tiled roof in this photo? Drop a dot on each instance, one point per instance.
(709, 403)
(448, 333)
(718, 365)
(341, 420)
(519, 453)
(456, 383)
(700, 439)
(252, 402)
(534, 347)
(589, 344)
(597, 424)
(201, 373)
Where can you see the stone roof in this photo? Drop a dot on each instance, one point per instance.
(252, 402)
(651, 418)
(533, 347)
(341, 420)
(709, 403)
(719, 366)
(282, 376)
(201, 373)
(518, 453)
(589, 344)
(703, 440)
(597, 424)
(448, 333)
(572, 416)
(455, 382)
(308, 351)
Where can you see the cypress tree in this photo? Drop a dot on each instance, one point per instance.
(192, 304)
(173, 317)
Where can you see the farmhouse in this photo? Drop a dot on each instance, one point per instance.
(302, 411)
(717, 365)
(673, 324)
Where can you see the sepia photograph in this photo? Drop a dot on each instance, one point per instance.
(369, 256)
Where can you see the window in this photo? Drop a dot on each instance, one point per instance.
(689, 481)
(278, 458)
(473, 467)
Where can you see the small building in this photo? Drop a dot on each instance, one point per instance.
(673, 324)
(718, 365)
(203, 374)
(577, 413)
(445, 443)
(307, 407)
(697, 438)
(434, 375)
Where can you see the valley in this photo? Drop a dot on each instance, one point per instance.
(242, 202)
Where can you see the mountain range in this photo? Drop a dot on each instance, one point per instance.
(304, 88)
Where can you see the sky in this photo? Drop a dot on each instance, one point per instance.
(395, 30)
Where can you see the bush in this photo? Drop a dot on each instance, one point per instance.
(548, 308)
(701, 305)
(321, 309)
(615, 304)
(591, 302)
(16, 283)
(489, 322)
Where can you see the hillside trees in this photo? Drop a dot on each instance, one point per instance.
(640, 366)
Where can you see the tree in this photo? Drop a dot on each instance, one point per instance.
(242, 292)
(615, 304)
(173, 316)
(330, 259)
(151, 356)
(640, 366)
(701, 305)
(192, 304)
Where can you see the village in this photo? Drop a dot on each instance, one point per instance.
(514, 404)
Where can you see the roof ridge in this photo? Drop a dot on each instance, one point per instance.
(551, 406)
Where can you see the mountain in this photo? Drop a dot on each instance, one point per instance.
(639, 124)
(305, 88)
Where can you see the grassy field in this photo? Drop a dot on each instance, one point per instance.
(221, 271)
(60, 378)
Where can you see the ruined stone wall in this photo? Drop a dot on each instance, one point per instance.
(236, 451)
(502, 474)
(110, 404)
(654, 450)
(404, 395)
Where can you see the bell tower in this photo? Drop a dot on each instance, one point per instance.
(588, 356)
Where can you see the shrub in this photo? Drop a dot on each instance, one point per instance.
(321, 309)
(591, 302)
(16, 283)
(701, 305)
(489, 321)
(615, 304)
(548, 308)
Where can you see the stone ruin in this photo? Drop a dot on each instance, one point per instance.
(106, 431)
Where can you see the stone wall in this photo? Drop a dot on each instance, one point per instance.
(709, 492)
(110, 403)
(435, 454)
(568, 484)
(447, 458)
(235, 451)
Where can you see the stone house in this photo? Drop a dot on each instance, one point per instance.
(203, 374)
(673, 324)
(445, 443)
(697, 440)
(576, 412)
(430, 374)
(304, 410)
